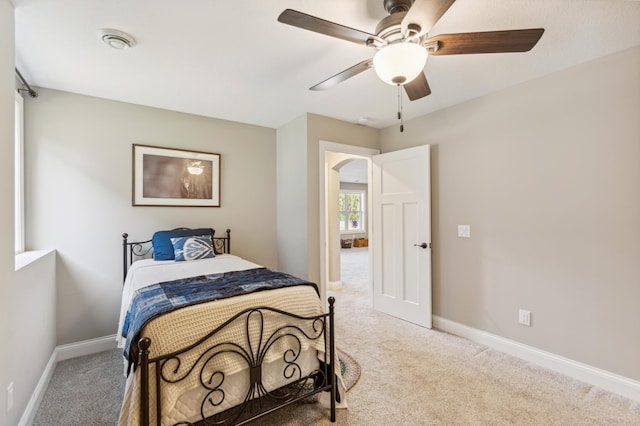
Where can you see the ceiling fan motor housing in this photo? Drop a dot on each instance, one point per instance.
(388, 28)
(395, 6)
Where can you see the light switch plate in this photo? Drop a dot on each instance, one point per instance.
(464, 231)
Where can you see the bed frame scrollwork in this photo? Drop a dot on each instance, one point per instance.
(258, 401)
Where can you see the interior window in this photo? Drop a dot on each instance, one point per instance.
(351, 205)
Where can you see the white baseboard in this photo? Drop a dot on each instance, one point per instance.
(612, 382)
(60, 353)
(86, 347)
(29, 414)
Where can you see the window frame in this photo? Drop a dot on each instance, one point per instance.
(363, 225)
(19, 174)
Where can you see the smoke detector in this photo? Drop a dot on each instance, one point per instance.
(117, 39)
(364, 121)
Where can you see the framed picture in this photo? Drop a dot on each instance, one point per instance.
(175, 177)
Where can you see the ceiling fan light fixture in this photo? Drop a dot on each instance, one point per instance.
(400, 63)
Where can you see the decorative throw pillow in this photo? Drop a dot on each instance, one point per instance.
(162, 247)
(192, 247)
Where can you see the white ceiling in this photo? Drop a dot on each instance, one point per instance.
(233, 60)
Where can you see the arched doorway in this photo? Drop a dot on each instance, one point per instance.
(333, 158)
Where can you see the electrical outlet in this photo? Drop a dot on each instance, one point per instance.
(9, 397)
(524, 317)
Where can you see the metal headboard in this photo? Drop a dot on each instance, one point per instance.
(132, 250)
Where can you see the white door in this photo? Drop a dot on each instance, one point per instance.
(401, 235)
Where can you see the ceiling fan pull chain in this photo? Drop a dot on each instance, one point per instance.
(400, 108)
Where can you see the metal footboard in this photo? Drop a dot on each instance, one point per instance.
(269, 333)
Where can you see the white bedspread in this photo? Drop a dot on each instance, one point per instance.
(148, 271)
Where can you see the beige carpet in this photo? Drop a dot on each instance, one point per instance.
(409, 376)
(414, 376)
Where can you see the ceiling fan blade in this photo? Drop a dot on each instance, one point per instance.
(425, 13)
(418, 87)
(486, 42)
(312, 23)
(342, 76)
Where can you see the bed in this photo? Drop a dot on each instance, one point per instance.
(211, 338)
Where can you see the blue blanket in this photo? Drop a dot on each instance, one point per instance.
(157, 299)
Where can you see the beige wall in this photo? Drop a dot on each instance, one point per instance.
(78, 152)
(298, 187)
(333, 162)
(321, 128)
(6, 200)
(33, 324)
(27, 295)
(547, 173)
(292, 197)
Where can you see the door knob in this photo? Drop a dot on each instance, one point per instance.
(423, 245)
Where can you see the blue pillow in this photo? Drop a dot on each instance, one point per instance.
(161, 241)
(192, 248)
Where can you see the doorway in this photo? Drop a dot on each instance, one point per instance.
(400, 248)
(353, 219)
(334, 157)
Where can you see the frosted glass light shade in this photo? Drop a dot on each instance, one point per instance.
(399, 63)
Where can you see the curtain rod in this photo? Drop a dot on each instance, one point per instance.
(28, 89)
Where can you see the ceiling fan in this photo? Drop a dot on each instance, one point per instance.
(402, 44)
